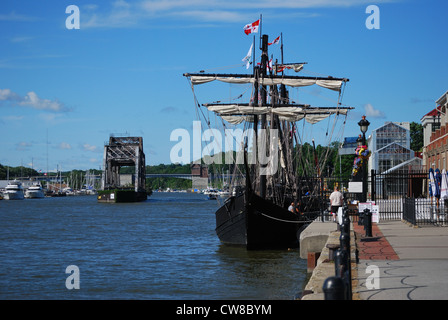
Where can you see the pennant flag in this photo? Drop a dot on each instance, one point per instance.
(252, 27)
(276, 40)
(248, 56)
(296, 67)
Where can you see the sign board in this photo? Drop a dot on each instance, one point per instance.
(365, 205)
(375, 213)
(355, 187)
(374, 209)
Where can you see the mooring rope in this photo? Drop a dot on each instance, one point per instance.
(289, 221)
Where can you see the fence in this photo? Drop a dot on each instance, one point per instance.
(389, 189)
(421, 212)
(400, 195)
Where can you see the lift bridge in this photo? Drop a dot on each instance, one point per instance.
(120, 152)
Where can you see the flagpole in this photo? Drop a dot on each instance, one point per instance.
(281, 48)
(254, 57)
(261, 29)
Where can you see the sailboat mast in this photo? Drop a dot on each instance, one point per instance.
(263, 73)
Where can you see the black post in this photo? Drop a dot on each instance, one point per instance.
(360, 218)
(334, 289)
(368, 222)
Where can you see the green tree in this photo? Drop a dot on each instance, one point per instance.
(416, 136)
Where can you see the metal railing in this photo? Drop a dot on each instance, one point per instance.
(425, 211)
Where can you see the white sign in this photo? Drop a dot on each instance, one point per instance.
(339, 213)
(355, 187)
(375, 213)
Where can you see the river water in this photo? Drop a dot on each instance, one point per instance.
(164, 248)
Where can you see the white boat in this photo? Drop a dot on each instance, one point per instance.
(14, 191)
(68, 191)
(224, 194)
(35, 191)
(212, 194)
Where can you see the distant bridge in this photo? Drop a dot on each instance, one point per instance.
(187, 176)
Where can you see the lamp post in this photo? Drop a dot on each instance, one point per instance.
(364, 126)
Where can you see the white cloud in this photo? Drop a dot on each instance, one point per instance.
(22, 146)
(31, 99)
(371, 112)
(8, 95)
(65, 146)
(89, 147)
(122, 14)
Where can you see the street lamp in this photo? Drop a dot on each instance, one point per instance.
(364, 126)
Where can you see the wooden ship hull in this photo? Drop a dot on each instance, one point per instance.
(256, 223)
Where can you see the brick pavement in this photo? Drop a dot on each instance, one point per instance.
(375, 248)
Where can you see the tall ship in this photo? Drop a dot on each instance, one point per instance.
(275, 198)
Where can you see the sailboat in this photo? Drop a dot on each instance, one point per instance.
(256, 215)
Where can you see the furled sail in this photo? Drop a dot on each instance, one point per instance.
(237, 113)
(292, 81)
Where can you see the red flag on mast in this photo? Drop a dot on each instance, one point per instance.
(252, 27)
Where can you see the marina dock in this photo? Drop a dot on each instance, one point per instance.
(411, 262)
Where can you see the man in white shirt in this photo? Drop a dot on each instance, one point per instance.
(336, 201)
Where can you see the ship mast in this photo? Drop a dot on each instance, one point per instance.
(263, 73)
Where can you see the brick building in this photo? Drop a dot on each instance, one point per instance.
(435, 135)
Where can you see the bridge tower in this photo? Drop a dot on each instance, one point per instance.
(199, 176)
(120, 152)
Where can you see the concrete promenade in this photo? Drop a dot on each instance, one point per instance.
(412, 263)
(399, 262)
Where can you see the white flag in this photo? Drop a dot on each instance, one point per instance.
(248, 56)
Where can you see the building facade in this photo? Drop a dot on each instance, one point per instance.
(391, 147)
(435, 135)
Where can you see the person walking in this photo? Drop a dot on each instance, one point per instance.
(336, 201)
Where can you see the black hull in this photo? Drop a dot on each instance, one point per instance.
(257, 223)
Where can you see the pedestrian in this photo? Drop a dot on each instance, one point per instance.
(294, 207)
(336, 201)
(291, 207)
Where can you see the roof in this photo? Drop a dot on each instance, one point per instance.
(415, 159)
(402, 125)
(433, 112)
(390, 145)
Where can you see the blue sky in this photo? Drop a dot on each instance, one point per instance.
(121, 72)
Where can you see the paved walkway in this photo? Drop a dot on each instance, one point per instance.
(411, 263)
